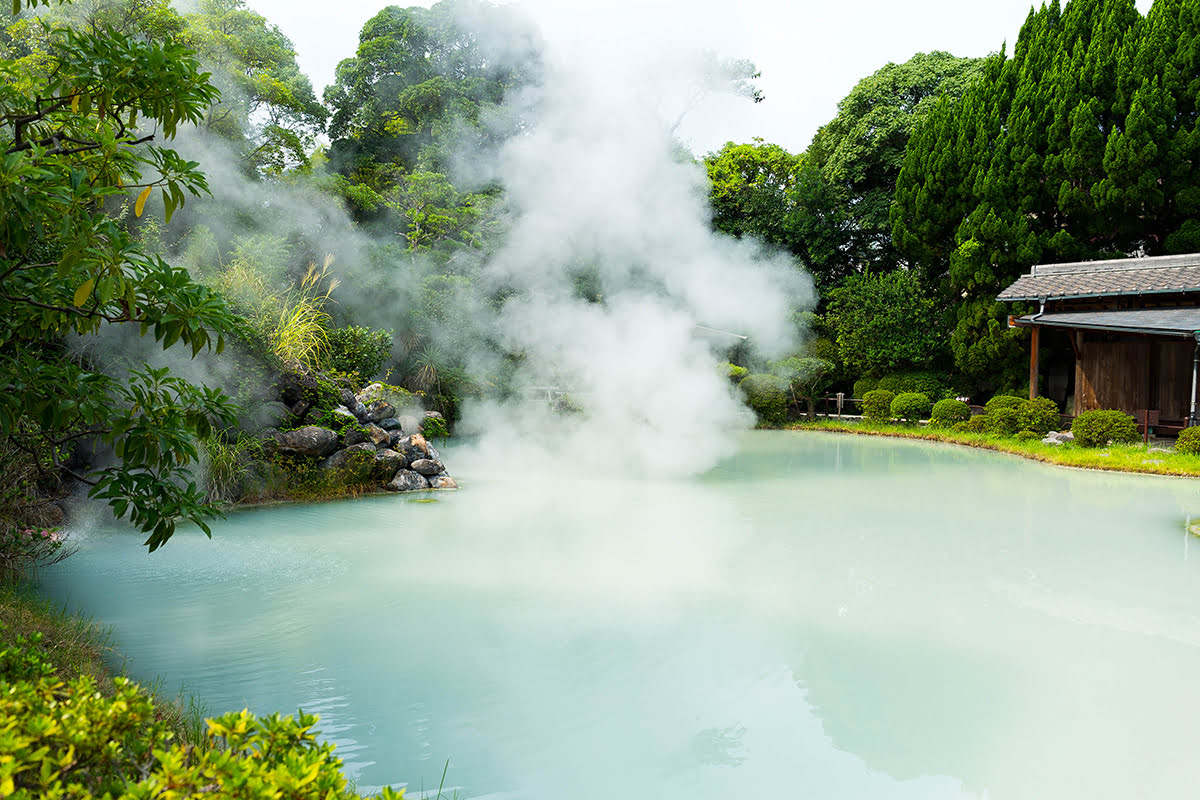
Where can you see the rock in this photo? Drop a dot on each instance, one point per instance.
(1051, 440)
(412, 446)
(391, 424)
(354, 464)
(410, 424)
(310, 441)
(344, 413)
(407, 481)
(379, 437)
(434, 415)
(356, 435)
(442, 482)
(1160, 450)
(379, 410)
(387, 463)
(428, 466)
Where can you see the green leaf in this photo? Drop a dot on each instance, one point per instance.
(84, 292)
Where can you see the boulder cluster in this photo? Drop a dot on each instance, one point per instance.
(374, 446)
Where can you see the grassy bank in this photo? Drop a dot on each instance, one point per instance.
(1122, 458)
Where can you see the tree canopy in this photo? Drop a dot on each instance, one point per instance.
(1083, 144)
(81, 123)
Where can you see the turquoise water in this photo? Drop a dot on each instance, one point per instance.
(818, 617)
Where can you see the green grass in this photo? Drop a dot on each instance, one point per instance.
(1122, 458)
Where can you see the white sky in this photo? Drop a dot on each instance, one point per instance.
(810, 53)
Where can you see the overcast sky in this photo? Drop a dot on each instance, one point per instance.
(810, 53)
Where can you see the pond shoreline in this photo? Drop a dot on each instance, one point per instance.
(1123, 457)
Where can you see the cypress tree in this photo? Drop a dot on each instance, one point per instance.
(1082, 145)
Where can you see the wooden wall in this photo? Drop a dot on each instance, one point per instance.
(1132, 374)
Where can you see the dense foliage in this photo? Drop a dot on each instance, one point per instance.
(1080, 145)
(1099, 427)
(80, 122)
(767, 395)
(877, 405)
(1188, 441)
(910, 406)
(949, 412)
(67, 739)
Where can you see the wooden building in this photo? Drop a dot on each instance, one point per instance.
(1132, 326)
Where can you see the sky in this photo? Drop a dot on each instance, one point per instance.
(810, 53)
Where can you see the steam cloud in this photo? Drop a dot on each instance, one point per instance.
(597, 190)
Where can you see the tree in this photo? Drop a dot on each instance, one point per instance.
(750, 190)
(859, 153)
(884, 322)
(80, 124)
(1082, 145)
(267, 105)
(421, 78)
(807, 378)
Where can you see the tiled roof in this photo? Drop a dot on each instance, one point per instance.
(1183, 322)
(1126, 276)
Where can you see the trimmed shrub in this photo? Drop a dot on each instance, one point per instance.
(1003, 421)
(1027, 435)
(1188, 442)
(1003, 401)
(864, 385)
(949, 412)
(978, 424)
(910, 406)
(1099, 427)
(877, 405)
(933, 385)
(1039, 415)
(767, 395)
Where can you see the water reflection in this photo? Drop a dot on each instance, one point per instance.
(819, 616)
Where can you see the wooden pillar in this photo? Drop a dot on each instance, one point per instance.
(1033, 361)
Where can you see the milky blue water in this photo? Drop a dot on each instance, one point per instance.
(819, 617)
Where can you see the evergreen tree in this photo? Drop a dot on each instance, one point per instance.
(1081, 145)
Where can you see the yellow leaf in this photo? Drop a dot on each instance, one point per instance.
(140, 205)
(75, 103)
(84, 291)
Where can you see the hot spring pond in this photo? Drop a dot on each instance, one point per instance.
(820, 616)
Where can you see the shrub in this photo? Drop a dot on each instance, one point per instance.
(735, 373)
(1188, 442)
(864, 385)
(1027, 435)
(358, 351)
(978, 424)
(1003, 401)
(767, 395)
(1099, 427)
(933, 385)
(434, 428)
(70, 740)
(1039, 415)
(1003, 421)
(877, 405)
(949, 412)
(910, 406)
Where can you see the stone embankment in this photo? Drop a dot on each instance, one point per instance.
(375, 446)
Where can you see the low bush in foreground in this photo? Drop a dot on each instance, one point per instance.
(1099, 427)
(69, 735)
